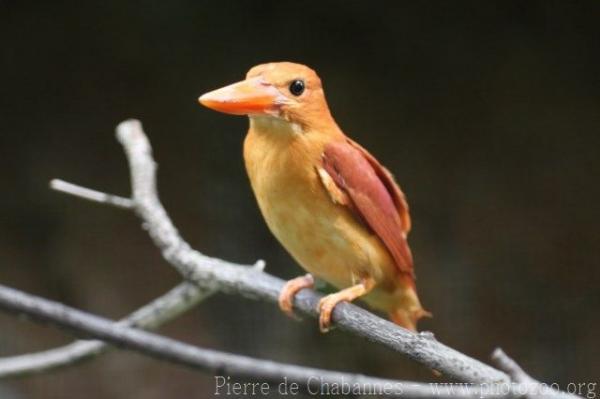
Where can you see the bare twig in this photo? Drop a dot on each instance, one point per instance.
(510, 367)
(161, 310)
(225, 364)
(91, 195)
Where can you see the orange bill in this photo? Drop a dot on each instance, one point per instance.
(248, 97)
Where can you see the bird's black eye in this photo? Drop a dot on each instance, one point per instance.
(297, 87)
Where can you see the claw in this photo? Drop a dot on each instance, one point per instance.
(326, 306)
(289, 290)
(328, 303)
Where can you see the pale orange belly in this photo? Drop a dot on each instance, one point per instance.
(325, 239)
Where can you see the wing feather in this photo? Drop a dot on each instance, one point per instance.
(374, 195)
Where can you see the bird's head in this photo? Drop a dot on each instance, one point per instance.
(281, 91)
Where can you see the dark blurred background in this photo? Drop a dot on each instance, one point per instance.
(488, 113)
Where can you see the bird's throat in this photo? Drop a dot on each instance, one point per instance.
(274, 125)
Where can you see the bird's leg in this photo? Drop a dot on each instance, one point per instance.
(289, 290)
(327, 304)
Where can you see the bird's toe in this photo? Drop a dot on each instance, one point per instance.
(286, 305)
(326, 306)
(290, 289)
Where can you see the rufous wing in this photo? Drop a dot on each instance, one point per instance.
(373, 195)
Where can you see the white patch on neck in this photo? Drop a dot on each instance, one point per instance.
(274, 123)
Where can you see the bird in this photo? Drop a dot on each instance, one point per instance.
(335, 209)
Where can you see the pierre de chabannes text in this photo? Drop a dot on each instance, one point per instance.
(225, 386)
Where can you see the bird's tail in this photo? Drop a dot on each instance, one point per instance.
(407, 310)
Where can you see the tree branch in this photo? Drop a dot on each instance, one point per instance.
(309, 379)
(178, 300)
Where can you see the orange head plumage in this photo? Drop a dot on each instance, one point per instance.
(283, 90)
(330, 203)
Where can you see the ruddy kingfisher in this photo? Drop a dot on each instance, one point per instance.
(328, 201)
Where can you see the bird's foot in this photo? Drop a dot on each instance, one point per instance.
(328, 303)
(289, 290)
(326, 306)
